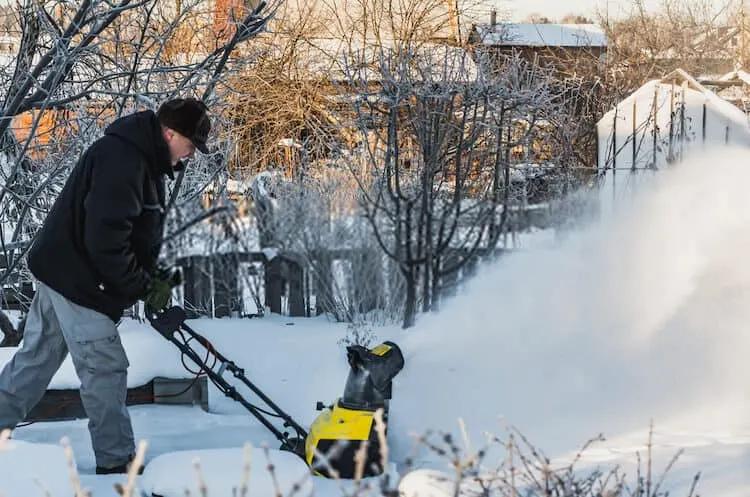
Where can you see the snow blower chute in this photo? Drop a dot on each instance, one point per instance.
(338, 432)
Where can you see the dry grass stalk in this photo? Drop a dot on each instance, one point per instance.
(202, 487)
(272, 471)
(360, 458)
(73, 471)
(4, 437)
(380, 430)
(135, 466)
(247, 455)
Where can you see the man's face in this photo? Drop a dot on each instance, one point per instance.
(180, 147)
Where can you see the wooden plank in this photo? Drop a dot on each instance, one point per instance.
(59, 405)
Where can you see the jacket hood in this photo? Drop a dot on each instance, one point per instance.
(143, 131)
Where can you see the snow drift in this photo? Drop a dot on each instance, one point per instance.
(33, 469)
(226, 472)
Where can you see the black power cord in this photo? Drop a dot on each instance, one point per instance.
(205, 367)
(198, 374)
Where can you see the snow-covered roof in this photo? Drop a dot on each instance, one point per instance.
(738, 74)
(542, 35)
(730, 114)
(706, 118)
(680, 76)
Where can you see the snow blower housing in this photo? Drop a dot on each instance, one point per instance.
(338, 432)
(341, 429)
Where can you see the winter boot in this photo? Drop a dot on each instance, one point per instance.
(122, 468)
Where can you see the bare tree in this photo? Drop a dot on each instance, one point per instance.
(444, 161)
(699, 36)
(575, 19)
(81, 64)
(308, 138)
(437, 136)
(537, 18)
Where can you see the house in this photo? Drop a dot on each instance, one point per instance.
(719, 48)
(711, 51)
(555, 45)
(332, 75)
(734, 87)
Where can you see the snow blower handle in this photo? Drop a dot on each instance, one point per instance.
(168, 321)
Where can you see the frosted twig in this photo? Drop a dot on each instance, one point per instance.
(589, 443)
(650, 458)
(471, 457)
(464, 434)
(324, 461)
(41, 486)
(298, 485)
(667, 469)
(511, 465)
(694, 484)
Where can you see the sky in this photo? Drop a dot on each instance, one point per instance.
(518, 10)
(557, 8)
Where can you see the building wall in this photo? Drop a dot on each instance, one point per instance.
(226, 12)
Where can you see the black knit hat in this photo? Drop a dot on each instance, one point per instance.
(187, 116)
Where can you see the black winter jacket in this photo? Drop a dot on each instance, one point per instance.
(100, 242)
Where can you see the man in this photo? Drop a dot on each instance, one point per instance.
(95, 256)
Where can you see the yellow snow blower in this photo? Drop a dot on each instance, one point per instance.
(340, 430)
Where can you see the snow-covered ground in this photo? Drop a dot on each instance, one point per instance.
(605, 331)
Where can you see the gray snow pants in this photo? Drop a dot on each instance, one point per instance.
(54, 327)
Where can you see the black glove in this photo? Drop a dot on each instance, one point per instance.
(160, 291)
(170, 274)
